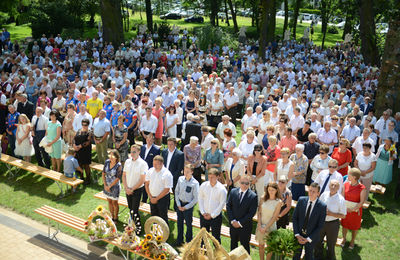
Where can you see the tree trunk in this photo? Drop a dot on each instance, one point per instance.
(286, 21)
(369, 49)
(324, 17)
(388, 92)
(295, 16)
(348, 24)
(265, 34)
(112, 21)
(226, 13)
(271, 21)
(233, 12)
(149, 16)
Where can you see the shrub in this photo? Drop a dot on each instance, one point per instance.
(208, 35)
(333, 30)
(164, 29)
(281, 242)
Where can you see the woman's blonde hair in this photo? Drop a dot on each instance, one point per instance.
(25, 117)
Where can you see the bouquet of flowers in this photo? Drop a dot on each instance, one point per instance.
(129, 239)
(151, 246)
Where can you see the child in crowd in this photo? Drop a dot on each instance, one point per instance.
(71, 165)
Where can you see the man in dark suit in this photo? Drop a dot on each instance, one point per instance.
(153, 72)
(147, 153)
(24, 106)
(173, 159)
(241, 208)
(192, 128)
(308, 220)
(366, 106)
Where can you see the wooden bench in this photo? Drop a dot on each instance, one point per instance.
(58, 177)
(75, 223)
(145, 207)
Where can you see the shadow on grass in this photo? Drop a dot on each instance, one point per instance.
(353, 254)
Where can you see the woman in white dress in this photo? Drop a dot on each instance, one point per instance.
(284, 166)
(267, 214)
(23, 142)
(262, 127)
(171, 120)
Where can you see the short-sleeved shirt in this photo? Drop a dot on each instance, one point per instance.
(94, 106)
(109, 109)
(129, 116)
(158, 181)
(342, 158)
(70, 164)
(134, 170)
(101, 127)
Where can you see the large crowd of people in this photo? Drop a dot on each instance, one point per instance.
(239, 132)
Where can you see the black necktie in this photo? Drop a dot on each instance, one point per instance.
(325, 183)
(240, 196)
(304, 229)
(36, 124)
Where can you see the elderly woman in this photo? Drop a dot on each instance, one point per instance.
(300, 171)
(192, 153)
(234, 168)
(83, 148)
(112, 173)
(256, 165)
(384, 166)
(284, 166)
(283, 219)
(273, 152)
(130, 120)
(213, 157)
(68, 129)
(263, 124)
(355, 194)
(120, 138)
(158, 112)
(53, 134)
(247, 145)
(343, 155)
(320, 161)
(366, 163)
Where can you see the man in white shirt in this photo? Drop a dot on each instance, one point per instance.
(207, 137)
(223, 125)
(133, 178)
(231, 101)
(158, 184)
(325, 176)
(327, 136)
(101, 130)
(297, 120)
(249, 120)
(77, 124)
(336, 209)
(351, 131)
(148, 123)
(212, 198)
(364, 138)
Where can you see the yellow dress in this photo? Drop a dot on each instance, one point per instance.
(267, 211)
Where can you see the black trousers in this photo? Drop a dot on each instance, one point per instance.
(309, 248)
(197, 174)
(232, 113)
(160, 209)
(331, 231)
(40, 153)
(134, 201)
(214, 224)
(240, 234)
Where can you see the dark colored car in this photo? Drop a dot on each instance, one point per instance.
(194, 19)
(172, 16)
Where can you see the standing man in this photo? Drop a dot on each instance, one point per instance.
(133, 178)
(231, 101)
(77, 124)
(174, 160)
(241, 208)
(158, 185)
(325, 176)
(101, 130)
(147, 153)
(94, 104)
(212, 197)
(11, 129)
(24, 106)
(186, 197)
(39, 127)
(308, 221)
(336, 209)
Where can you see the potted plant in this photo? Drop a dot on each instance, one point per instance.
(282, 244)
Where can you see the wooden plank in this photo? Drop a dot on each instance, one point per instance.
(56, 176)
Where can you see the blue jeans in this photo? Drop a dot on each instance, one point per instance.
(186, 215)
(298, 190)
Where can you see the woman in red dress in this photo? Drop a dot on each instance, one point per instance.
(158, 112)
(343, 156)
(354, 194)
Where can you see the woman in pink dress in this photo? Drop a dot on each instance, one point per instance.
(158, 112)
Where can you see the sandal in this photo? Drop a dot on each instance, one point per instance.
(351, 247)
(343, 244)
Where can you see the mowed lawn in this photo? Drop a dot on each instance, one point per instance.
(23, 31)
(379, 237)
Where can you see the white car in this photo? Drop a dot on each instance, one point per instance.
(280, 13)
(341, 25)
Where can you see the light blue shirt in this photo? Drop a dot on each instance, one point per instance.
(101, 127)
(70, 164)
(186, 191)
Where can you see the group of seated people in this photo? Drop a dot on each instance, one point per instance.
(306, 119)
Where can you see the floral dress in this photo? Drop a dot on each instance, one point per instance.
(111, 174)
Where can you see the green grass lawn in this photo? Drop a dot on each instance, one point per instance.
(378, 238)
(23, 31)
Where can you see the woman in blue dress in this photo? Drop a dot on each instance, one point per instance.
(112, 174)
(53, 134)
(384, 165)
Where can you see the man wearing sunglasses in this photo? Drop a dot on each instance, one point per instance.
(241, 208)
(325, 176)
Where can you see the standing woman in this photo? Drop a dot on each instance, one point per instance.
(23, 142)
(286, 196)
(366, 163)
(234, 168)
(300, 171)
(53, 134)
(229, 143)
(83, 148)
(284, 167)
(213, 157)
(192, 153)
(130, 120)
(256, 165)
(68, 129)
(120, 138)
(272, 153)
(158, 112)
(112, 173)
(216, 108)
(320, 161)
(384, 166)
(355, 194)
(191, 104)
(267, 214)
(171, 121)
(343, 155)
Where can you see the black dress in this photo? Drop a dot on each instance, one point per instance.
(84, 155)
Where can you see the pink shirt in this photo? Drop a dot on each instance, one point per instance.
(288, 142)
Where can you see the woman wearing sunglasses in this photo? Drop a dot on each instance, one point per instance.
(320, 161)
(256, 165)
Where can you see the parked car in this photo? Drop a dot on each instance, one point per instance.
(341, 25)
(306, 17)
(194, 19)
(280, 13)
(172, 16)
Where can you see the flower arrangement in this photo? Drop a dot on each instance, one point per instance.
(129, 240)
(392, 150)
(103, 227)
(153, 247)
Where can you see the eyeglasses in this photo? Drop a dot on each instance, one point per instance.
(322, 153)
(332, 166)
(244, 183)
(341, 143)
(213, 143)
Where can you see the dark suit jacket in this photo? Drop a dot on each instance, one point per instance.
(177, 163)
(154, 150)
(153, 74)
(315, 222)
(365, 108)
(192, 129)
(244, 211)
(28, 109)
